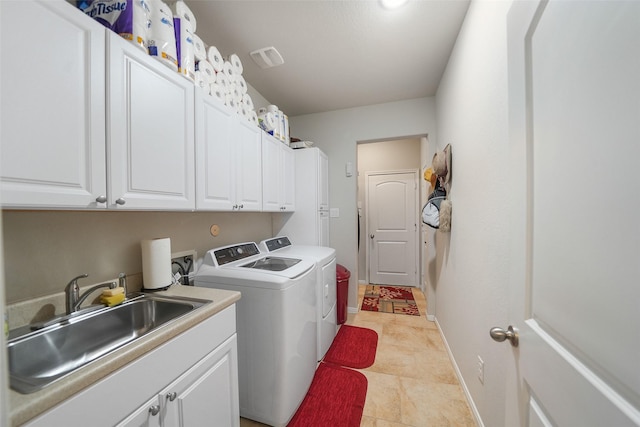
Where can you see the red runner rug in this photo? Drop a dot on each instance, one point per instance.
(389, 299)
(335, 399)
(353, 347)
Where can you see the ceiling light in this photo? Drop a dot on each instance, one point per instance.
(267, 57)
(392, 4)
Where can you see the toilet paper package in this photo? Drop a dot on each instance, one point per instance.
(181, 10)
(129, 18)
(156, 263)
(162, 38)
(184, 47)
(267, 122)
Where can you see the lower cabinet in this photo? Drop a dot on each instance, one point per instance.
(191, 380)
(204, 393)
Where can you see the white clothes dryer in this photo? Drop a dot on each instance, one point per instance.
(325, 259)
(276, 324)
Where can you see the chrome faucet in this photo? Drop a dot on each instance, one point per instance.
(72, 293)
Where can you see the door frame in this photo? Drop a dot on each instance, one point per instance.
(365, 218)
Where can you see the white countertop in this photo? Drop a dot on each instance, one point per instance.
(23, 407)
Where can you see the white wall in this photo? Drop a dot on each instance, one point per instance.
(336, 133)
(471, 288)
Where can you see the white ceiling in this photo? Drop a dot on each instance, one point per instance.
(337, 53)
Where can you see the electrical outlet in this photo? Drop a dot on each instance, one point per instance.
(183, 263)
(481, 370)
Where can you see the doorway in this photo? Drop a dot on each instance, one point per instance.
(383, 157)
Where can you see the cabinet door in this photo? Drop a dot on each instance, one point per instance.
(215, 167)
(148, 415)
(52, 129)
(151, 134)
(271, 173)
(288, 177)
(207, 392)
(248, 175)
(323, 183)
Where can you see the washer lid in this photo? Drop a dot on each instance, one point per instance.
(272, 263)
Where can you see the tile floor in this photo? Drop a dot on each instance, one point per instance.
(412, 382)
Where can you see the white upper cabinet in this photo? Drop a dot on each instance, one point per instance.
(215, 189)
(229, 158)
(278, 175)
(52, 129)
(248, 175)
(151, 135)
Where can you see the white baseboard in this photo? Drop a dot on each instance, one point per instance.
(362, 282)
(465, 389)
(353, 310)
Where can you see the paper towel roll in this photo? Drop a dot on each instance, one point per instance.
(207, 69)
(202, 81)
(223, 81)
(156, 263)
(236, 92)
(246, 98)
(184, 47)
(199, 48)
(242, 83)
(182, 11)
(227, 68)
(162, 38)
(236, 63)
(215, 58)
(218, 92)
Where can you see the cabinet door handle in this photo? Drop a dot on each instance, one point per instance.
(154, 410)
(101, 199)
(241, 206)
(171, 396)
(120, 201)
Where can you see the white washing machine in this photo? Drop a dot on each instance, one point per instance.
(325, 259)
(276, 326)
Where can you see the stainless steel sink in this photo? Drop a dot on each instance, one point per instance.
(48, 354)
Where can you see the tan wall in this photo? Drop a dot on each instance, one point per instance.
(43, 250)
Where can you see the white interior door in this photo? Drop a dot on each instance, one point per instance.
(574, 92)
(392, 228)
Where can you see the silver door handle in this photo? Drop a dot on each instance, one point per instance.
(154, 410)
(120, 201)
(101, 199)
(499, 335)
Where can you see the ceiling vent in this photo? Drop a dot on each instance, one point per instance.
(267, 57)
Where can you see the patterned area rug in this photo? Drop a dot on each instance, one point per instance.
(389, 299)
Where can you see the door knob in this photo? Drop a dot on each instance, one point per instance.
(101, 199)
(499, 334)
(120, 201)
(153, 410)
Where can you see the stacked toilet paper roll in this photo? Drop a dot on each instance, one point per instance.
(156, 263)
